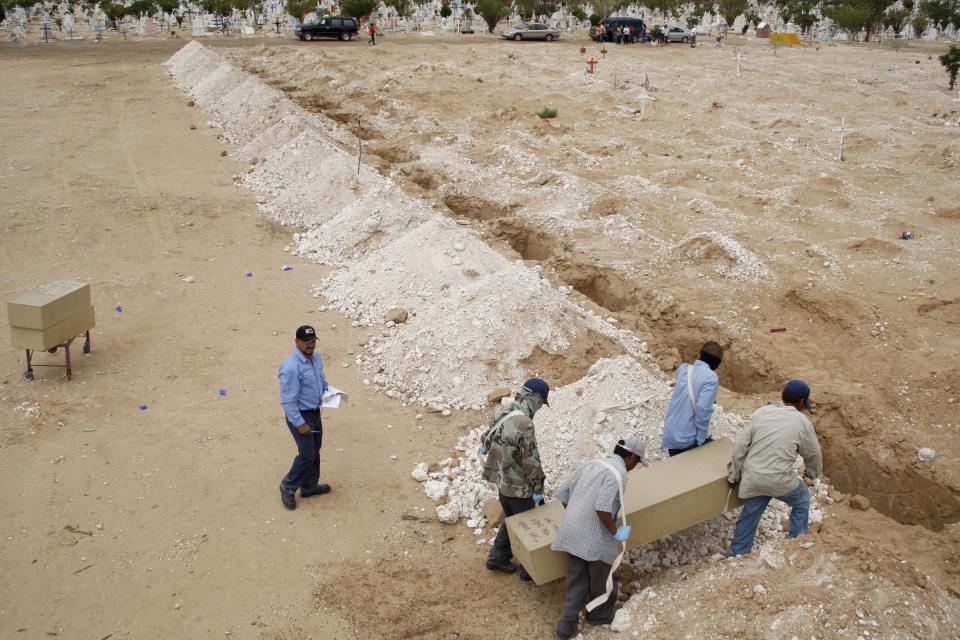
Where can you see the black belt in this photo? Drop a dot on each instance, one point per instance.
(317, 410)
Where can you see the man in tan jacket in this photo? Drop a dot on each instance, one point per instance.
(763, 459)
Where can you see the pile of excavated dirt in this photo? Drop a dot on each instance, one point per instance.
(475, 320)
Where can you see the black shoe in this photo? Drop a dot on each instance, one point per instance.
(506, 567)
(288, 500)
(318, 490)
(526, 577)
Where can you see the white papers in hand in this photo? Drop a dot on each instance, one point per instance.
(332, 398)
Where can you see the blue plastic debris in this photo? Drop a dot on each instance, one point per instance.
(118, 309)
(249, 274)
(906, 235)
(287, 267)
(223, 393)
(143, 407)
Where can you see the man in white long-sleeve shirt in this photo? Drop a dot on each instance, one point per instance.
(762, 461)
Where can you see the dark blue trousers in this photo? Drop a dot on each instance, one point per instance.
(305, 471)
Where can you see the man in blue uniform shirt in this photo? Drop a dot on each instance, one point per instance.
(687, 424)
(302, 384)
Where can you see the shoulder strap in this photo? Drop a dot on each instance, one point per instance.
(693, 396)
(499, 424)
(599, 600)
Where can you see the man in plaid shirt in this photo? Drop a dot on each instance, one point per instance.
(589, 535)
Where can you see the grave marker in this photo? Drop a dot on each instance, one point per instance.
(592, 62)
(842, 130)
(644, 98)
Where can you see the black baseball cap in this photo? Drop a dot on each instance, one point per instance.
(306, 333)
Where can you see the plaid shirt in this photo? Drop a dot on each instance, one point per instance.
(591, 488)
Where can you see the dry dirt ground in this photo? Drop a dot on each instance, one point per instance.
(165, 523)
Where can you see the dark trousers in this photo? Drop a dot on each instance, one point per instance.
(305, 471)
(674, 452)
(501, 552)
(585, 581)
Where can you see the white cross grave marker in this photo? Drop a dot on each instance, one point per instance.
(738, 62)
(644, 97)
(842, 130)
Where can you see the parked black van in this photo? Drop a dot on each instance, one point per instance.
(342, 27)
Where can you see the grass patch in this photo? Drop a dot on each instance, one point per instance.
(548, 112)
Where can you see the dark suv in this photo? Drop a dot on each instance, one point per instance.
(343, 27)
(610, 24)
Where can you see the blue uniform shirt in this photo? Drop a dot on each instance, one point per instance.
(683, 427)
(302, 384)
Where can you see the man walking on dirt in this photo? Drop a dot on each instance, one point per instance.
(590, 537)
(763, 459)
(302, 384)
(687, 423)
(513, 464)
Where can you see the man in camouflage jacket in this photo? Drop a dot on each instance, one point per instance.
(513, 464)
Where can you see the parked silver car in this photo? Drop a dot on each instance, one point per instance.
(531, 31)
(678, 34)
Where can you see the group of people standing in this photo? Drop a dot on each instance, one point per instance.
(620, 34)
(761, 468)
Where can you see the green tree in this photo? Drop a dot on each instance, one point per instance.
(730, 9)
(939, 11)
(491, 11)
(402, 7)
(920, 25)
(113, 11)
(3, 12)
(951, 60)
(300, 8)
(851, 17)
(358, 8)
(445, 10)
(579, 13)
(524, 7)
(908, 5)
(595, 19)
(895, 18)
(168, 6)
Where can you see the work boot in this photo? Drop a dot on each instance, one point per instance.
(318, 490)
(288, 500)
(526, 577)
(506, 566)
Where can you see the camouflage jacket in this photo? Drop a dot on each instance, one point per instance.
(513, 461)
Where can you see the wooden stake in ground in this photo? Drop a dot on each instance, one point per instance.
(842, 130)
(738, 62)
(359, 145)
(644, 98)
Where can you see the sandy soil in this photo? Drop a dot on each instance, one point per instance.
(179, 531)
(166, 522)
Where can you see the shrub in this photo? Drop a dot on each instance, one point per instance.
(595, 19)
(951, 60)
(491, 11)
(358, 8)
(547, 112)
